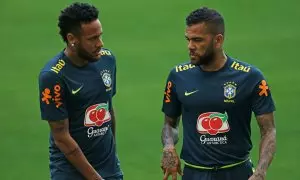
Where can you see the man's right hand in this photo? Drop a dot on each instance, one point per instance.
(170, 163)
(64, 141)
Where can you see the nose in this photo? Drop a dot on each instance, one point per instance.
(99, 43)
(191, 45)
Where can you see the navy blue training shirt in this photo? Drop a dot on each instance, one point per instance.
(216, 110)
(83, 95)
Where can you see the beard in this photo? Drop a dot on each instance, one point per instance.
(83, 54)
(207, 58)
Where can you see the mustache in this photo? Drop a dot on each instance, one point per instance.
(97, 50)
(193, 53)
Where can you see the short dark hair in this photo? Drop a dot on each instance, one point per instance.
(209, 16)
(72, 16)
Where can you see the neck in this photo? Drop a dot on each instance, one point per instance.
(217, 63)
(74, 58)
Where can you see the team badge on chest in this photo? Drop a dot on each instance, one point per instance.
(107, 80)
(229, 92)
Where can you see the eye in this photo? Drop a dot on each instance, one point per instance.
(94, 38)
(198, 39)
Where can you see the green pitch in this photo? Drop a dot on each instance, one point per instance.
(148, 39)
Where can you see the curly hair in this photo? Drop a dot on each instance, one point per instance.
(73, 16)
(211, 17)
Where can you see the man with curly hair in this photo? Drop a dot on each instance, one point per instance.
(76, 91)
(215, 94)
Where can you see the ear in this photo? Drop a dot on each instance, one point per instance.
(72, 39)
(218, 40)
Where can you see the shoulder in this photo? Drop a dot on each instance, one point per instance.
(107, 54)
(253, 73)
(54, 65)
(183, 67)
(52, 69)
(180, 70)
(243, 66)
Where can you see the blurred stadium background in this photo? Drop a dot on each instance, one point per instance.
(147, 38)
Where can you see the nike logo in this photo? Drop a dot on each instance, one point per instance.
(190, 93)
(77, 90)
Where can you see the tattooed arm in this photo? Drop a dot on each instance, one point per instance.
(64, 141)
(170, 161)
(169, 135)
(267, 146)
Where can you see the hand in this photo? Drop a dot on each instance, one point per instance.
(257, 176)
(170, 164)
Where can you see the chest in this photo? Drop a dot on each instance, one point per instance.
(88, 86)
(213, 92)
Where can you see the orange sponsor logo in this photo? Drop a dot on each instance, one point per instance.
(46, 96)
(263, 88)
(57, 96)
(168, 92)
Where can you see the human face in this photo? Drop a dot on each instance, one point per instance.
(90, 41)
(201, 44)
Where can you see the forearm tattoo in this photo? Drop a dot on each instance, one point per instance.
(167, 137)
(58, 126)
(75, 152)
(267, 150)
(268, 142)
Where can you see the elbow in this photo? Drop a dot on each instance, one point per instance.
(61, 141)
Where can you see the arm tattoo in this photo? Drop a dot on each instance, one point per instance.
(267, 146)
(169, 134)
(169, 159)
(58, 126)
(74, 152)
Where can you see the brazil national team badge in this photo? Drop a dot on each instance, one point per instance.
(106, 77)
(229, 92)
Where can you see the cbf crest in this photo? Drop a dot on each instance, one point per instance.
(107, 80)
(229, 91)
